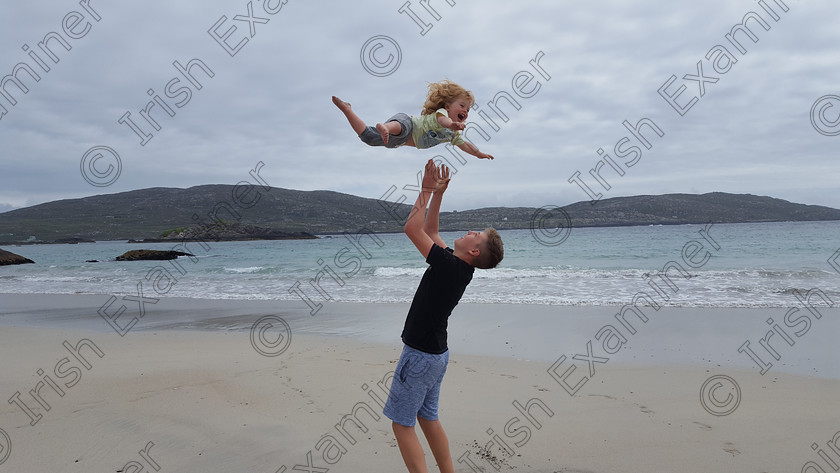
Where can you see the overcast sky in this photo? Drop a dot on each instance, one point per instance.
(577, 71)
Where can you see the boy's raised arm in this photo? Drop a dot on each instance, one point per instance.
(414, 226)
(431, 225)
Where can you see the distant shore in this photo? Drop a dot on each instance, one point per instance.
(147, 213)
(315, 235)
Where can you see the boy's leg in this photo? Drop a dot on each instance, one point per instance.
(410, 448)
(438, 442)
(357, 123)
(413, 397)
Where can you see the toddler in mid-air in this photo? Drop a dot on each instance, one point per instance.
(447, 107)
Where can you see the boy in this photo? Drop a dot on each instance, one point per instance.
(416, 385)
(441, 120)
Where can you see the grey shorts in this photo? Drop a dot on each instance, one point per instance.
(371, 135)
(415, 389)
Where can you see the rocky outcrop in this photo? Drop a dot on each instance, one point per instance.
(146, 255)
(73, 240)
(7, 258)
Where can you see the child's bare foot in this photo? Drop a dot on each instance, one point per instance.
(383, 132)
(342, 105)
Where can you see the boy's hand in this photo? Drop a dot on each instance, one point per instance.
(485, 156)
(441, 179)
(435, 179)
(430, 177)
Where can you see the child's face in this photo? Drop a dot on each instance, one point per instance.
(459, 109)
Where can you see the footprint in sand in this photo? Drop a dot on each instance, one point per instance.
(730, 450)
(509, 376)
(645, 409)
(540, 388)
(703, 426)
(604, 396)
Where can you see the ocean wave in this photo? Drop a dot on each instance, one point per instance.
(58, 279)
(390, 272)
(248, 270)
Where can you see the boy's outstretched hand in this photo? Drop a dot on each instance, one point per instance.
(442, 178)
(435, 179)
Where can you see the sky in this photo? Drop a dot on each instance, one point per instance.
(237, 83)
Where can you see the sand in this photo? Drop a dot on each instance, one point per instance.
(187, 389)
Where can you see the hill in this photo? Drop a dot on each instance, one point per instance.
(149, 213)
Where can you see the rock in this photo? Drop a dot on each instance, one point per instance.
(73, 240)
(7, 258)
(91, 261)
(146, 255)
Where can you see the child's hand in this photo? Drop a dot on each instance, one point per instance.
(457, 126)
(485, 156)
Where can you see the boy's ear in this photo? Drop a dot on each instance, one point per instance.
(475, 252)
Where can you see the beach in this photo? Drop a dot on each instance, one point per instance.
(263, 386)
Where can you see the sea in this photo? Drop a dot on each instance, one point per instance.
(717, 265)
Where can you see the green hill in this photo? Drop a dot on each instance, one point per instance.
(148, 213)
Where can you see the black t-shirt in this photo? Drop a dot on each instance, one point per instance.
(439, 291)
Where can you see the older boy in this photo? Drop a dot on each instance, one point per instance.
(419, 373)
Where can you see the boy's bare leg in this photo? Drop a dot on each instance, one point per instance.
(357, 123)
(438, 442)
(410, 448)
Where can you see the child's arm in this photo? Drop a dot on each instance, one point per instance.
(431, 225)
(447, 122)
(468, 147)
(414, 225)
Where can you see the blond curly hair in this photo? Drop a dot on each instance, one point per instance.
(442, 94)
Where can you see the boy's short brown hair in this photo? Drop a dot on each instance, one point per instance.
(491, 251)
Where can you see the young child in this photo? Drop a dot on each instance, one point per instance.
(416, 385)
(447, 107)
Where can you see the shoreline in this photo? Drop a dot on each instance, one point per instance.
(702, 337)
(317, 235)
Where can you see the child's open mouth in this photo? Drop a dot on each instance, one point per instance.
(462, 116)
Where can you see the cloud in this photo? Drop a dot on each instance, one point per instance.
(750, 133)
